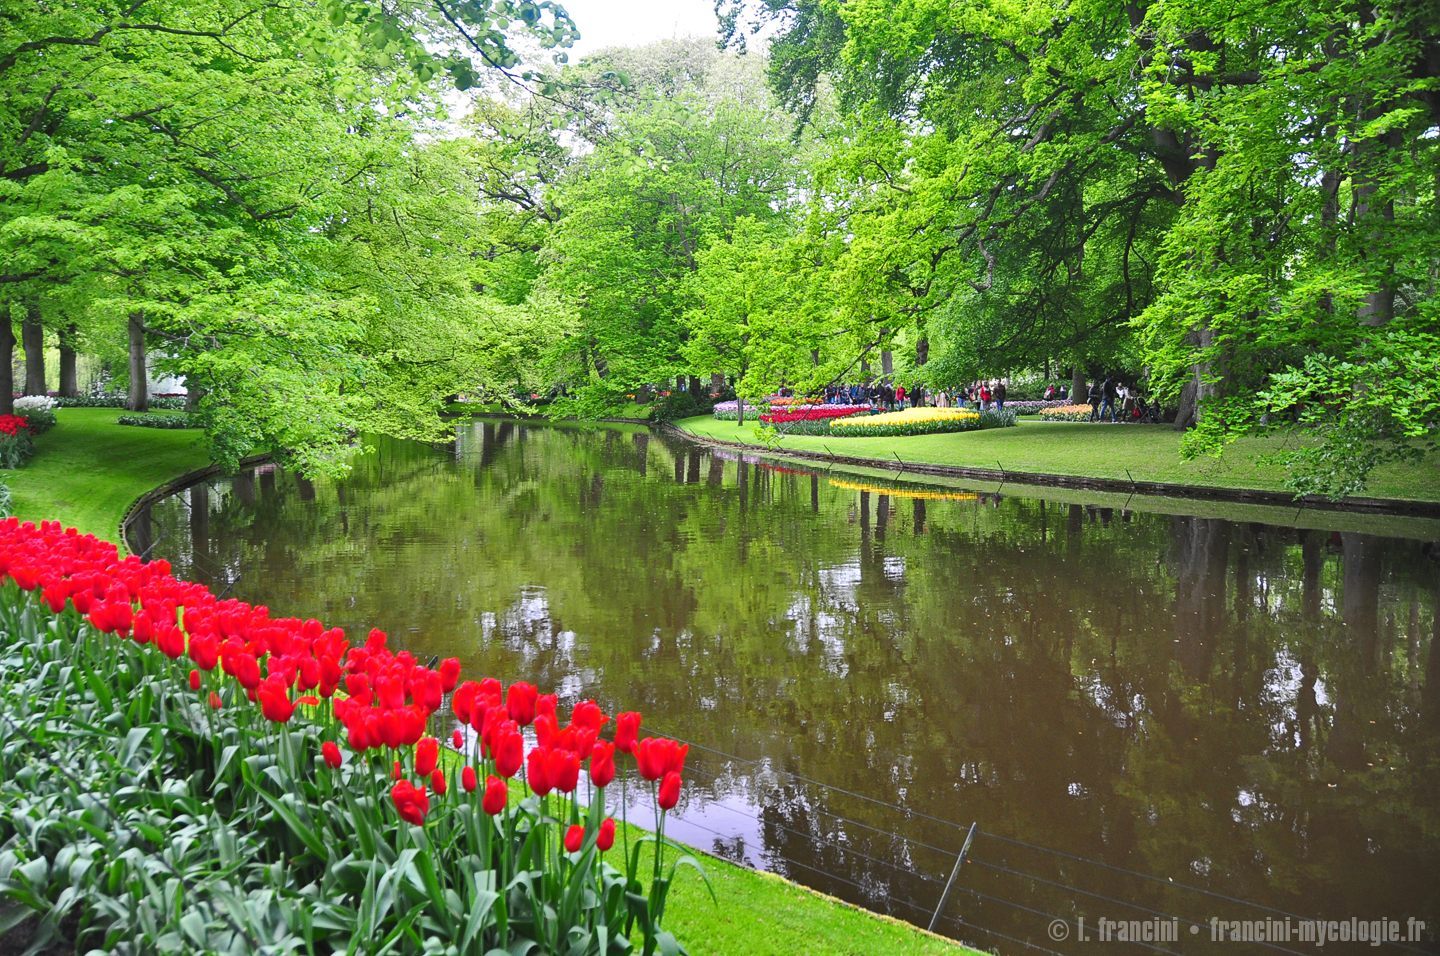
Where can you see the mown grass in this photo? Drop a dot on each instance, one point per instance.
(1144, 452)
(87, 469)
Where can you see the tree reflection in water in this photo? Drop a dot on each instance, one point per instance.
(1250, 708)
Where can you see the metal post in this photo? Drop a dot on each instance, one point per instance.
(950, 884)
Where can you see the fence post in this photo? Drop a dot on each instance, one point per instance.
(950, 883)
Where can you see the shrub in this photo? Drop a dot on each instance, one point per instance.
(38, 410)
(160, 421)
(16, 442)
(679, 405)
(7, 505)
(143, 792)
(1067, 413)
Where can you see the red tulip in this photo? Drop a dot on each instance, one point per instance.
(602, 763)
(468, 779)
(215, 702)
(496, 795)
(545, 705)
(411, 802)
(520, 703)
(392, 729)
(587, 714)
(437, 781)
(309, 673)
(331, 753)
(538, 774)
(463, 699)
(449, 673)
(605, 839)
(490, 687)
(194, 680)
(574, 837)
(649, 755)
(457, 739)
(564, 770)
(204, 651)
(395, 772)
(427, 755)
(509, 749)
(670, 791)
(627, 727)
(275, 701)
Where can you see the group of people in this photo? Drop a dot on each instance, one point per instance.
(980, 395)
(1113, 397)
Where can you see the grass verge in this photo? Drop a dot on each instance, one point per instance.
(1144, 452)
(87, 469)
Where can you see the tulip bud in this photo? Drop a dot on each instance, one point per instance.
(669, 791)
(605, 839)
(468, 780)
(437, 781)
(574, 837)
(331, 753)
(457, 739)
(427, 755)
(194, 680)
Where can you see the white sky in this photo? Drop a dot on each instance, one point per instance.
(605, 23)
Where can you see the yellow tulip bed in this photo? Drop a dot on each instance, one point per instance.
(920, 421)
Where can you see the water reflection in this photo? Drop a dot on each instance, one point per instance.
(1248, 708)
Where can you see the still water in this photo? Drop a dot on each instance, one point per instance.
(1246, 709)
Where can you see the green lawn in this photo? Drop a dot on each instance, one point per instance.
(1148, 452)
(87, 469)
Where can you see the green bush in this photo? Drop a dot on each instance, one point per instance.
(679, 405)
(16, 448)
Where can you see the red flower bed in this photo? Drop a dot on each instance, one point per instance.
(13, 424)
(818, 413)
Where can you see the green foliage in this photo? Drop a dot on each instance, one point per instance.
(16, 448)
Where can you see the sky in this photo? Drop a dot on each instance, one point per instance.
(605, 23)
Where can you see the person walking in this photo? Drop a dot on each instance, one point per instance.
(1128, 412)
(1110, 393)
(1097, 395)
(1000, 395)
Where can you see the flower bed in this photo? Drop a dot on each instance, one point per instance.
(165, 403)
(159, 421)
(267, 780)
(1067, 413)
(38, 411)
(921, 421)
(1034, 407)
(16, 442)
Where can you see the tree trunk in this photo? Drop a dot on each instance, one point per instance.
(695, 388)
(193, 394)
(1077, 384)
(922, 351)
(69, 380)
(7, 363)
(32, 334)
(139, 397)
(1185, 417)
(887, 364)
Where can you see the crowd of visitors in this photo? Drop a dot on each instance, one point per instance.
(1110, 398)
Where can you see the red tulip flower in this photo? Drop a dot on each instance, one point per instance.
(605, 839)
(545, 705)
(627, 727)
(427, 755)
(395, 772)
(538, 775)
(669, 791)
(496, 795)
(449, 673)
(564, 770)
(437, 781)
(275, 703)
(215, 702)
(457, 739)
(520, 703)
(509, 750)
(588, 714)
(468, 780)
(463, 699)
(411, 802)
(331, 753)
(194, 680)
(602, 763)
(574, 837)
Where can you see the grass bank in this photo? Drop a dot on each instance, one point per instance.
(1144, 452)
(87, 469)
